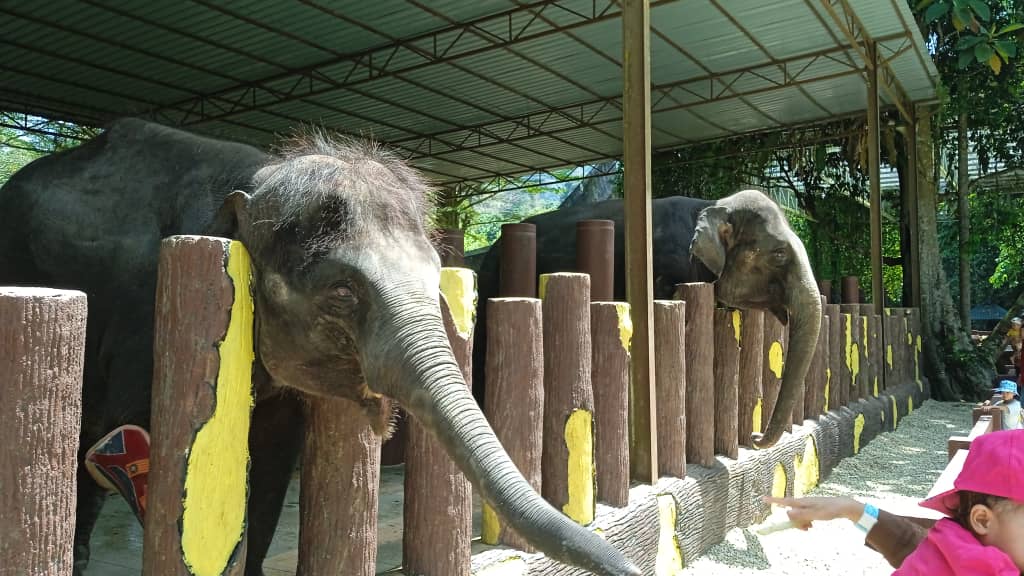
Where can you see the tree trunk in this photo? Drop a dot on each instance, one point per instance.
(963, 213)
(902, 168)
(993, 345)
(950, 364)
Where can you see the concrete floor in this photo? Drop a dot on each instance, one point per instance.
(117, 540)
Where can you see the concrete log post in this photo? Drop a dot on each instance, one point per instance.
(339, 486)
(438, 521)
(751, 397)
(700, 366)
(728, 327)
(515, 397)
(814, 391)
(595, 256)
(670, 371)
(518, 273)
(202, 402)
(774, 352)
(611, 330)
(42, 344)
(852, 333)
(836, 358)
(568, 396)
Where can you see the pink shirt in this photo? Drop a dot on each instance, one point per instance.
(951, 550)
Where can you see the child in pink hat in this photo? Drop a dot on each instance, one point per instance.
(983, 533)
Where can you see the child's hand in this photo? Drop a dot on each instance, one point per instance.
(803, 511)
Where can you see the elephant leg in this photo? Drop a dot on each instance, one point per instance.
(90, 500)
(275, 441)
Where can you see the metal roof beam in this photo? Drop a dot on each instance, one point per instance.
(445, 45)
(760, 46)
(697, 91)
(860, 39)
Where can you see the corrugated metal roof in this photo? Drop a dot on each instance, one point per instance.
(465, 90)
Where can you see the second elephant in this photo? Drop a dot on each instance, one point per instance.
(742, 242)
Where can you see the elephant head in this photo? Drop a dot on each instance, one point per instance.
(760, 263)
(346, 290)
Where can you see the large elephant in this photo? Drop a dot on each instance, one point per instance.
(742, 242)
(345, 290)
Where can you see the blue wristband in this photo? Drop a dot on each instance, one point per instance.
(868, 518)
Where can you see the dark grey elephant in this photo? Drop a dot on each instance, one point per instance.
(742, 242)
(346, 298)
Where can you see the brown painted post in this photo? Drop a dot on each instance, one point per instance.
(568, 396)
(815, 382)
(595, 255)
(914, 328)
(700, 376)
(891, 347)
(202, 402)
(851, 290)
(825, 346)
(728, 326)
(42, 342)
(868, 358)
(451, 246)
(611, 331)
(773, 347)
(438, 521)
(825, 288)
(518, 274)
(751, 398)
(339, 485)
(515, 397)
(878, 354)
(670, 368)
(836, 358)
(854, 356)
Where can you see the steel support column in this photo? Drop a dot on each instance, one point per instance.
(911, 198)
(874, 169)
(636, 107)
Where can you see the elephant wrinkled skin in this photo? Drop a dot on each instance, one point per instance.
(346, 296)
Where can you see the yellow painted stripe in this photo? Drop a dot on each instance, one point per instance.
(876, 387)
(758, 409)
(779, 481)
(625, 325)
(895, 414)
(542, 288)
(458, 286)
(888, 355)
(855, 355)
(858, 428)
(669, 559)
(579, 439)
(214, 505)
(864, 340)
(737, 325)
(490, 526)
(775, 360)
(807, 469)
(910, 404)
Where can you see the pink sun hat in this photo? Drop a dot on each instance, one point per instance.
(994, 465)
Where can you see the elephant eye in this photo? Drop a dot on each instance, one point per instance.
(780, 256)
(344, 293)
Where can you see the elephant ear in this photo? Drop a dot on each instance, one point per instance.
(713, 235)
(225, 222)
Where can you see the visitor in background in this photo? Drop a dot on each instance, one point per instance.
(1009, 402)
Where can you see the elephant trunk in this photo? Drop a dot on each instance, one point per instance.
(804, 308)
(412, 362)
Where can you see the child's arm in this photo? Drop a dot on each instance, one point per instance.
(895, 537)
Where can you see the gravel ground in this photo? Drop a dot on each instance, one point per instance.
(894, 471)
